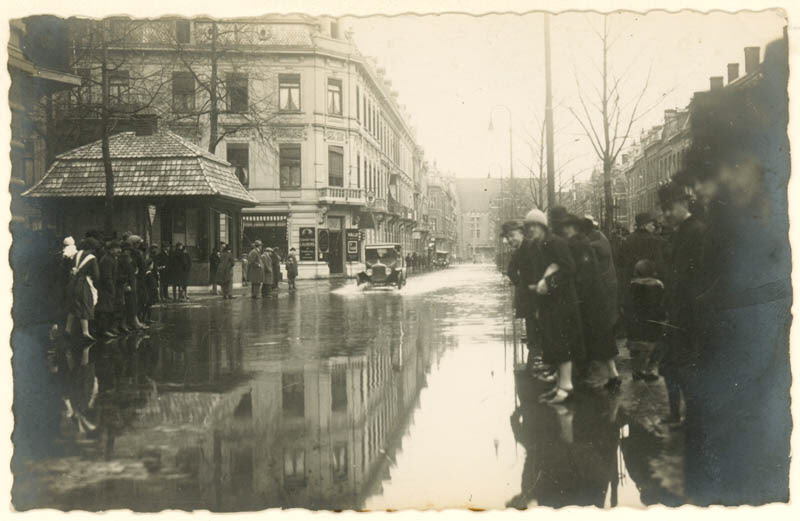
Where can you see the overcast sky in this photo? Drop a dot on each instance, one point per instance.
(450, 70)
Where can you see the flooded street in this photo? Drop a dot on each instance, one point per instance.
(330, 399)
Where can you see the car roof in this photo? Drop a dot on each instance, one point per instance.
(383, 245)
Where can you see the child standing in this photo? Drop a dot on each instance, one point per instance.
(645, 329)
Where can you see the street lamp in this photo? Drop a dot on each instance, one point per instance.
(510, 151)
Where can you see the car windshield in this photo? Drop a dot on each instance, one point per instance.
(386, 256)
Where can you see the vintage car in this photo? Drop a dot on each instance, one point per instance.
(442, 259)
(384, 266)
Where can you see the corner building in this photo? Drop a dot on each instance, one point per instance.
(332, 159)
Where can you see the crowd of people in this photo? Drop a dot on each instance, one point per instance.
(704, 297)
(262, 270)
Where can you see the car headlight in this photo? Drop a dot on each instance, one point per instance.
(369, 272)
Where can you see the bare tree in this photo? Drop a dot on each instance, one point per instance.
(608, 135)
(221, 73)
(126, 92)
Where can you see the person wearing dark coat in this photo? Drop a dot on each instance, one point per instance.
(81, 292)
(267, 267)
(106, 289)
(642, 244)
(213, 264)
(181, 267)
(224, 274)
(522, 273)
(559, 315)
(164, 272)
(645, 330)
(291, 269)
(255, 269)
(605, 263)
(129, 267)
(679, 365)
(276, 268)
(594, 300)
(741, 451)
(124, 283)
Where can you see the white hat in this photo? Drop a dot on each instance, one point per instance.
(536, 216)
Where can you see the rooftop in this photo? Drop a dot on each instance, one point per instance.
(158, 165)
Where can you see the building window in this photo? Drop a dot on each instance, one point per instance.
(239, 157)
(358, 170)
(119, 87)
(289, 92)
(236, 84)
(182, 91)
(358, 104)
(290, 166)
(335, 166)
(182, 31)
(334, 96)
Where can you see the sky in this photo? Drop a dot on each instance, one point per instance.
(453, 71)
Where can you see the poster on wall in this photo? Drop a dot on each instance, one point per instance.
(308, 244)
(353, 250)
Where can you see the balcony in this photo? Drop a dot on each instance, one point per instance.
(345, 196)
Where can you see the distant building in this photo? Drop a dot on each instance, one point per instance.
(479, 227)
(442, 213)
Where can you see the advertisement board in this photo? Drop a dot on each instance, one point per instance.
(308, 244)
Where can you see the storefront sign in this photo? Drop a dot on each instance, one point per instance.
(353, 250)
(308, 244)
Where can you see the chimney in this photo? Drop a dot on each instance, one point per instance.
(716, 82)
(733, 72)
(751, 59)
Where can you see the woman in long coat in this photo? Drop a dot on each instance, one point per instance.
(598, 313)
(559, 316)
(106, 289)
(224, 274)
(81, 292)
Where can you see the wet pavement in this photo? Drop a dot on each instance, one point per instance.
(330, 398)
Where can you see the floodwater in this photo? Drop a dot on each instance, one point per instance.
(332, 398)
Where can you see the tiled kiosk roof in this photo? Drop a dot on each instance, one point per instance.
(158, 165)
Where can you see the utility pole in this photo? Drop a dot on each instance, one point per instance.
(548, 115)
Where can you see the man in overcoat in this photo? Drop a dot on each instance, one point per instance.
(255, 270)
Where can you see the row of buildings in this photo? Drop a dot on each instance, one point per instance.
(654, 157)
(324, 155)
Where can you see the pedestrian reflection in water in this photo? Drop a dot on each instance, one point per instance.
(586, 453)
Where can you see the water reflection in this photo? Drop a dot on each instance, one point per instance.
(323, 400)
(265, 405)
(587, 453)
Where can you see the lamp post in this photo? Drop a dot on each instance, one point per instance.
(501, 215)
(510, 152)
